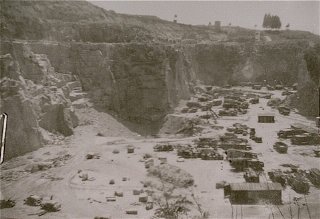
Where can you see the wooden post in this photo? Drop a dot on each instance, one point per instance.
(4, 120)
(307, 206)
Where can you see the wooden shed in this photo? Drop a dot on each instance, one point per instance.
(254, 193)
(266, 118)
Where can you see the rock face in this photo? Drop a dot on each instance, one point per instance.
(307, 100)
(139, 83)
(32, 96)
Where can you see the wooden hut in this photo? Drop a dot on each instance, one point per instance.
(266, 118)
(254, 193)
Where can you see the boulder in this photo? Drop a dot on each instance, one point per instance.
(149, 206)
(84, 176)
(115, 151)
(118, 194)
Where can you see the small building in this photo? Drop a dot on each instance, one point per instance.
(254, 193)
(266, 118)
(217, 25)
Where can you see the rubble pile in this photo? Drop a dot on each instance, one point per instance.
(299, 180)
(171, 174)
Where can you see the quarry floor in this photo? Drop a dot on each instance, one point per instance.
(87, 199)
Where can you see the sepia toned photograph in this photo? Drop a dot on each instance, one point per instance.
(159, 109)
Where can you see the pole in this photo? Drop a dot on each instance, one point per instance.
(280, 212)
(4, 118)
(241, 211)
(307, 206)
(232, 210)
(236, 212)
(290, 209)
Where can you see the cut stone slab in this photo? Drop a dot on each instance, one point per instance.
(97, 217)
(130, 149)
(136, 192)
(143, 198)
(111, 199)
(132, 211)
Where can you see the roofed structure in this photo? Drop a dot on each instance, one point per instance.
(255, 186)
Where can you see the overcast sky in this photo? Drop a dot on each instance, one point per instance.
(302, 15)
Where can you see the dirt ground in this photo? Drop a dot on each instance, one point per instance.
(87, 199)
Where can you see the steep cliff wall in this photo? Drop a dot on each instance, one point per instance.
(217, 63)
(307, 100)
(33, 97)
(139, 83)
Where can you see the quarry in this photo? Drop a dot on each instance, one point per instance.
(124, 116)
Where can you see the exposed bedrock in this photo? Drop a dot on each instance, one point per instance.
(32, 96)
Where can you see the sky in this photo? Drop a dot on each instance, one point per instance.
(301, 15)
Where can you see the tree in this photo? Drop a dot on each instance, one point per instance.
(276, 24)
(264, 24)
(271, 21)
